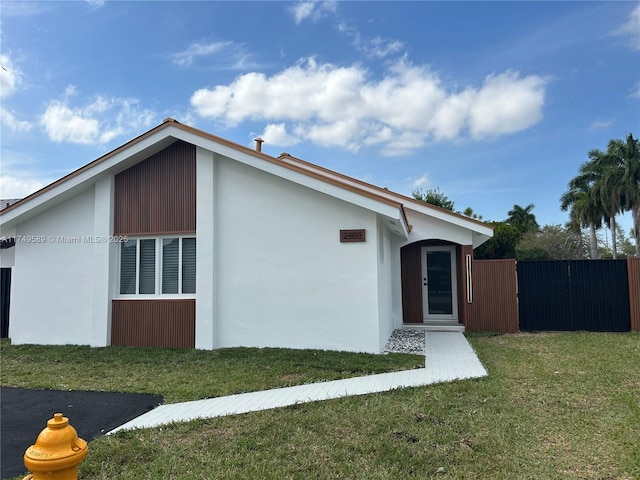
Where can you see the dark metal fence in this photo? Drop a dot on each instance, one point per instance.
(574, 295)
(5, 295)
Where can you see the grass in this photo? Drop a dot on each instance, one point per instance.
(554, 406)
(181, 374)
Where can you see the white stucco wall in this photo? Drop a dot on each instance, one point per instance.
(206, 330)
(283, 279)
(386, 321)
(106, 262)
(396, 282)
(433, 228)
(7, 257)
(52, 284)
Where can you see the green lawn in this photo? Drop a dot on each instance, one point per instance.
(181, 374)
(554, 406)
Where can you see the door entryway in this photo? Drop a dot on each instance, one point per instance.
(439, 287)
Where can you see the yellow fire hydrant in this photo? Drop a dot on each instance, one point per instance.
(57, 453)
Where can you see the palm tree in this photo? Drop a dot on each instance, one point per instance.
(627, 154)
(584, 210)
(602, 174)
(522, 219)
(617, 182)
(607, 184)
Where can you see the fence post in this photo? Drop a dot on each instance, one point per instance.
(57, 452)
(633, 272)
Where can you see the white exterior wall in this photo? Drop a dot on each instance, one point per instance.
(52, 284)
(386, 321)
(432, 228)
(7, 257)
(106, 262)
(396, 282)
(283, 279)
(206, 331)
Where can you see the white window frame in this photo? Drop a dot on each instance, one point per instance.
(158, 270)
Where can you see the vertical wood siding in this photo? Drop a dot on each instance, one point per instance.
(154, 323)
(158, 195)
(461, 259)
(411, 280)
(633, 272)
(495, 297)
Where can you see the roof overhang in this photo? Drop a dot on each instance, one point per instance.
(167, 133)
(390, 205)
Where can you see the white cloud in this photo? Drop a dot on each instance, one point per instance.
(600, 124)
(224, 55)
(185, 58)
(19, 187)
(10, 121)
(381, 47)
(97, 122)
(23, 9)
(63, 124)
(506, 104)
(631, 29)
(341, 133)
(344, 106)
(277, 134)
(635, 93)
(10, 76)
(422, 181)
(377, 47)
(302, 10)
(312, 10)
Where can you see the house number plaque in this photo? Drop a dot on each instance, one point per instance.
(347, 236)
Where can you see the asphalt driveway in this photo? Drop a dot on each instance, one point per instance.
(24, 413)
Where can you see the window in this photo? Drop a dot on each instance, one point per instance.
(165, 266)
(147, 276)
(170, 260)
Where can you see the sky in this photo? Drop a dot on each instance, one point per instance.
(494, 103)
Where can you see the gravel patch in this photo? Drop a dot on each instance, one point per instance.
(406, 341)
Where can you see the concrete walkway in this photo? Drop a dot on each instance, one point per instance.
(448, 357)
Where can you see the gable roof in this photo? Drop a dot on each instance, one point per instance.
(301, 171)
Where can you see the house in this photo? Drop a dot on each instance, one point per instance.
(181, 238)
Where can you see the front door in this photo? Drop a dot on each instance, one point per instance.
(439, 287)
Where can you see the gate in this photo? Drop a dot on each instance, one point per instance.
(590, 295)
(494, 298)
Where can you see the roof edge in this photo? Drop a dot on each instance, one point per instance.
(384, 191)
(295, 164)
(88, 166)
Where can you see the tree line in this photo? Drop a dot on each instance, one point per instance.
(607, 184)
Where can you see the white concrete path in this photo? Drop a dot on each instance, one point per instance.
(448, 357)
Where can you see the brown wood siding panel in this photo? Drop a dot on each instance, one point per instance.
(154, 323)
(411, 274)
(158, 195)
(461, 259)
(495, 297)
(633, 271)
